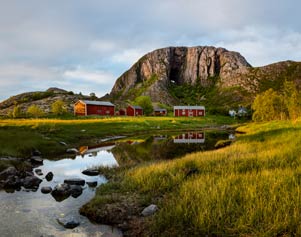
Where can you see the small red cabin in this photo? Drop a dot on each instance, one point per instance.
(134, 110)
(189, 111)
(87, 107)
(160, 112)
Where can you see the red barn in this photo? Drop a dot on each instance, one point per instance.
(189, 111)
(87, 107)
(122, 112)
(160, 112)
(134, 110)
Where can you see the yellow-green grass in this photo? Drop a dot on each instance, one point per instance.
(251, 188)
(19, 136)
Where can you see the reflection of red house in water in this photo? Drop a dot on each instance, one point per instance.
(134, 110)
(190, 137)
(87, 107)
(189, 111)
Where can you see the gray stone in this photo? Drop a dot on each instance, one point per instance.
(75, 181)
(49, 176)
(92, 184)
(76, 190)
(61, 191)
(36, 160)
(91, 172)
(39, 172)
(72, 150)
(46, 190)
(69, 222)
(63, 143)
(150, 210)
(31, 182)
(8, 172)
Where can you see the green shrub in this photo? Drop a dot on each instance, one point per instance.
(58, 107)
(35, 111)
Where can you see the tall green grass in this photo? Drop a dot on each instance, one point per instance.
(251, 188)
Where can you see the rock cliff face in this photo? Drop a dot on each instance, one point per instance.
(42, 99)
(155, 71)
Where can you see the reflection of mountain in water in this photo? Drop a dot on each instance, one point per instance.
(165, 146)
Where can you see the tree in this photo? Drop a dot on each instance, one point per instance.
(34, 111)
(292, 100)
(146, 103)
(58, 107)
(268, 106)
(17, 113)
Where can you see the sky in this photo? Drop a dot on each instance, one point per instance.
(85, 45)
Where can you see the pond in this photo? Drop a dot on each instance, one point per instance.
(32, 213)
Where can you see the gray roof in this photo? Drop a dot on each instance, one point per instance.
(189, 107)
(91, 102)
(136, 107)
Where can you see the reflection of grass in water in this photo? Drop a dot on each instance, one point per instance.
(18, 137)
(251, 188)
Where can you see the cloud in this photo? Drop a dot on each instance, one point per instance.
(86, 45)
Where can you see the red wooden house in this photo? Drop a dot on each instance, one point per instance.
(160, 112)
(87, 107)
(134, 110)
(189, 111)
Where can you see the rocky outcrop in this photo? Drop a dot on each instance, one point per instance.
(42, 99)
(155, 71)
(224, 78)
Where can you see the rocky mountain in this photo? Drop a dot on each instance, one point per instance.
(215, 77)
(43, 99)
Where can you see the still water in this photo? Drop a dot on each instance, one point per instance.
(31, 213)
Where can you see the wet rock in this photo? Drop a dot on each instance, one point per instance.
(12, 182)
(75, 181)
(49, 176)
(91, 172)
(36, 160)
(31, 182)
(8, 172)
(61, 192)
(150, 210)
(36, 152)
(39, 172)
(92, 184)
(69, 222)
(76, 190)
(46, 190)
(72, 150)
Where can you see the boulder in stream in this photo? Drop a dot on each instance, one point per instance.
(39, 172)
(49, 176)
(10, 171)
(92, 184)
(91, 172)
(75, 181)
(69, 222)
(31, 182)
(46, 190)
(76, 190)
(61, 191)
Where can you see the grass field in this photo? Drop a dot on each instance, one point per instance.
(19, 136)
(251, 188)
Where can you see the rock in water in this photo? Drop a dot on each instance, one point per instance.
(69, 222)
(49, 176)
(76, 190)
(31, 182)
(92, 184)
(36, 160)
(150, 210)
(61, 192)
(10, 171)
(72, 150)
(46, 190)
(39, 172)
(75, 181)
(91, 172)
